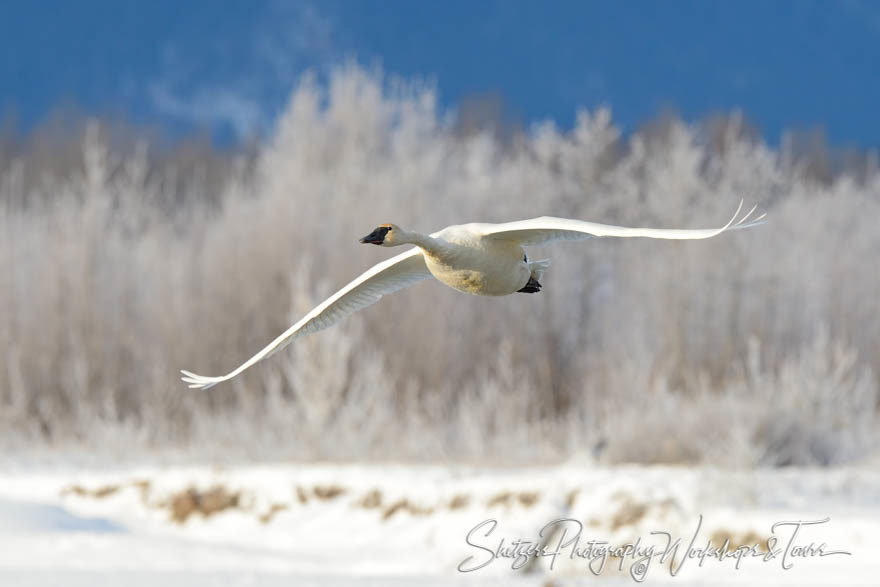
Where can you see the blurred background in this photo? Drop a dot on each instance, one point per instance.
(179, 182)
(178, 186)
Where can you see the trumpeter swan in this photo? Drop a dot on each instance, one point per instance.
(477, 258)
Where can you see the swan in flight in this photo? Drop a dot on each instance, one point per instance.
(476, 258)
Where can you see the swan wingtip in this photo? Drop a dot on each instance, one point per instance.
(198, 381)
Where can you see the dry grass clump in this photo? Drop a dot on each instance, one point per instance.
(629, 513)
(275, 509)
(371, 500)
(528, 498)
(500, 499)
(301, 495)
(207, 503)
(97, 492)
(737, 539)
(459, 502)
(404, 505)
(327, 492)
(508, 498)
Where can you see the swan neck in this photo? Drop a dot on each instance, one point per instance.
(422, 241)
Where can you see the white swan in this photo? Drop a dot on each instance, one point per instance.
(484, 259)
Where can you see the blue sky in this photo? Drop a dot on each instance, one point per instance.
(229, 66)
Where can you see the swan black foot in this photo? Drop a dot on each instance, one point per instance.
(531, 287)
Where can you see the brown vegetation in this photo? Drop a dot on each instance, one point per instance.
(326, 492)
(301, 495)
(500, 499)
(98, 492)
(629, 513)
(272, 512)
(208, 502)
(371, 500)
(734, 540)
(508, 498)
(404, 505)
(460, 501)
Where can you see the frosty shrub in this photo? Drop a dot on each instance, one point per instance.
(760, 347)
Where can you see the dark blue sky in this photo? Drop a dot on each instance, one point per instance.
(229, 66)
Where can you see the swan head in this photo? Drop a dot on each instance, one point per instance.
(386, 235)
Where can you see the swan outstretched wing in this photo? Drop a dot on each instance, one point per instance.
(538, 231)
(384, 278)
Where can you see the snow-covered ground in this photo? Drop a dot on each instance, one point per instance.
(313, 524)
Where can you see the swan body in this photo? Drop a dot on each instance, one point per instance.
(463, 260)
(477, 258)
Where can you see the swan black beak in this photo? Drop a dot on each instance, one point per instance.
(377, 237)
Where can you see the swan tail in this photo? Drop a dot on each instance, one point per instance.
(538, 268)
